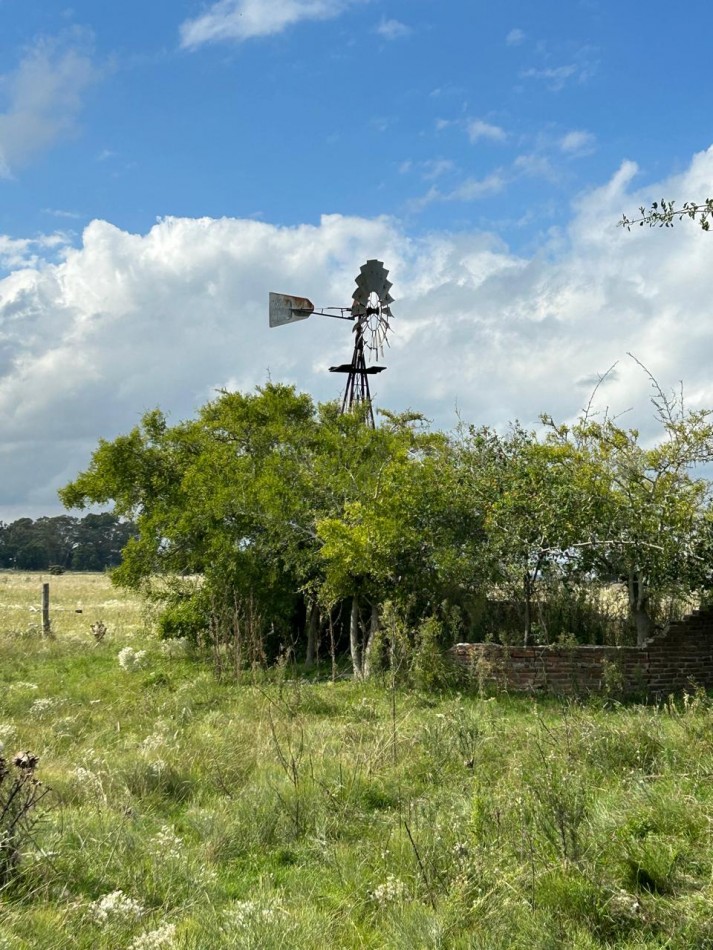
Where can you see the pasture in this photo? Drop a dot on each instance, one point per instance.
(286, 812)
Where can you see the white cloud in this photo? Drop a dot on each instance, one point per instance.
(535, 165)
(44, 97)
(515, 37)
(239, 20)
(477, 129)
(577, 142)
(126, 322)
(393, 29)
(557, 77)
(436, 168)
(60, 213)
(471, 189)
(19, 253)
(429, 170)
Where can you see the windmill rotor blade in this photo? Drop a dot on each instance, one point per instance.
(373, 279)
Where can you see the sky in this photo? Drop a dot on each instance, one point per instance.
(163, 166)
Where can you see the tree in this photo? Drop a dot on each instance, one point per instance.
(534, 500)
(92, 543)
(218, 497)
(283, 510)
(650, 528)
(403, 537)
(237, 496)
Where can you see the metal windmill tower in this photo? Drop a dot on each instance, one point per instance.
(370, 313)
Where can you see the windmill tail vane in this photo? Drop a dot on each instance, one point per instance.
(370, 312)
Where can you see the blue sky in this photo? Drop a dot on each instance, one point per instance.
(164, 165)
(448, 115)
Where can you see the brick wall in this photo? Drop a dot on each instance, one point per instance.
(681, 657)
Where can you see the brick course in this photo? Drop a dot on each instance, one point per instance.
(679, 658)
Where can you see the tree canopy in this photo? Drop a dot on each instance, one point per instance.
(92, 543)
(266, 512)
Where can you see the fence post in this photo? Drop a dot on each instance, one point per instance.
(46, 609)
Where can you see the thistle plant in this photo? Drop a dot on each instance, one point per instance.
(20, 794)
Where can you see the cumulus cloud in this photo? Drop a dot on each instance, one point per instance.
(19, 253)
(125, 322)
(239, 20)
(43, 97)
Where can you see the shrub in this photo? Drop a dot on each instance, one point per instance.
(185, 618)
(430, 670)
(20, 794)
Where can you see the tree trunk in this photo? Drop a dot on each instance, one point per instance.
(527, 589)
(638, 607)
(354, 644)
(369, 645)
(312, 623)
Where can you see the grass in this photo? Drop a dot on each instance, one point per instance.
(287, 813)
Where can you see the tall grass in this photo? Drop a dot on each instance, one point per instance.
(289, 813)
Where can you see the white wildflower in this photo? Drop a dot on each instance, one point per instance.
(625, 904)
(167, 843)
(131, 659)
(153, 939)
(19, 685)
(41, 706)
(89, 781)
(242, 914)
(206, 876)
(113, 906)
(392, 890)
(7, 731)
(175, 648)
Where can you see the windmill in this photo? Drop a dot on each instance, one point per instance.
(369, 312)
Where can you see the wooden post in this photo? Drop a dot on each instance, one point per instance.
(46, 609)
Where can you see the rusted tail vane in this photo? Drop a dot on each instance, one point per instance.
(284, 309)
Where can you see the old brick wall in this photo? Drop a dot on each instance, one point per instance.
(679, 658)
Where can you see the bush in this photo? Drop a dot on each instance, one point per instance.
(184, 618)
(20, 794)
(430, 670)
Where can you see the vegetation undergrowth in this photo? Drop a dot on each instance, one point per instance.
(292, 812)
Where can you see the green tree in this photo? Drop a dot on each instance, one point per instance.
(217, 497)
(653, 519)
(403, 536)
(281, 505)
(533, 498)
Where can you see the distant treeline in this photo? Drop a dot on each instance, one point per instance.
(92, 543)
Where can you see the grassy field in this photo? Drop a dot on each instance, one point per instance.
(289, 813)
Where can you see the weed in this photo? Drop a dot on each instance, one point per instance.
(20, 795)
